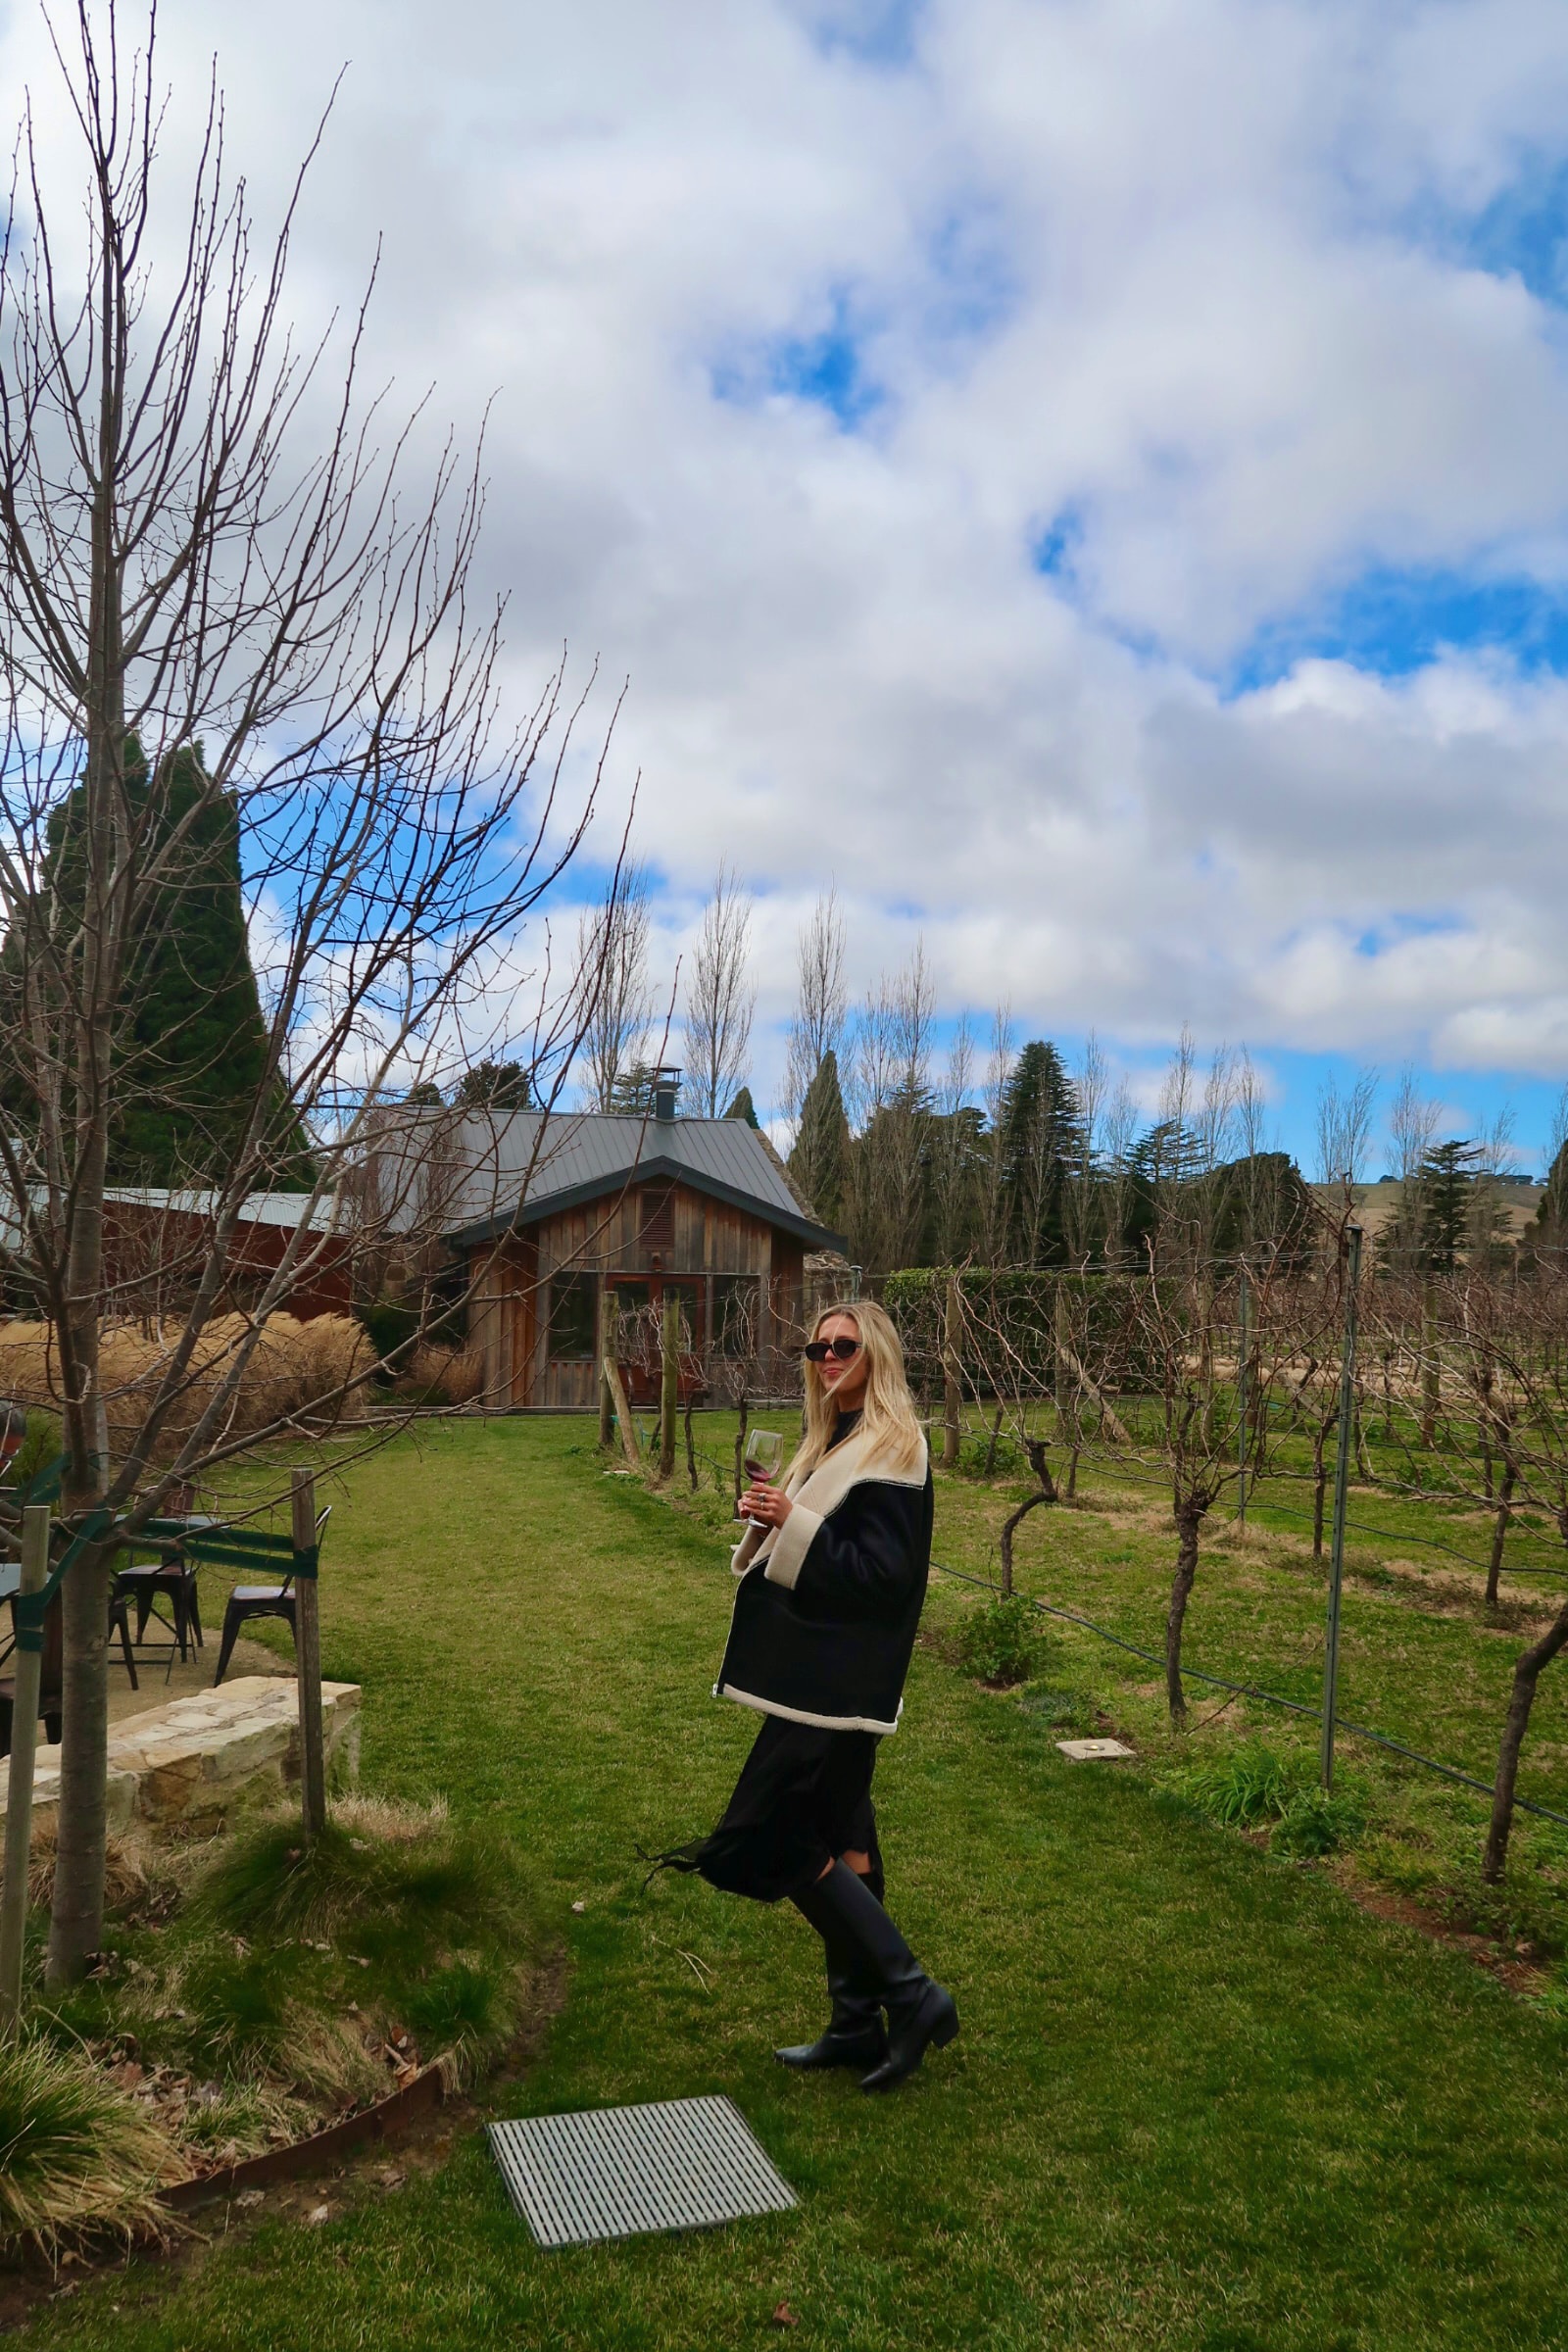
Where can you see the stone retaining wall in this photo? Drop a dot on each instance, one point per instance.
(198, 1760)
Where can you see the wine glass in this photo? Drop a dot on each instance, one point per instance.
(764, 1451)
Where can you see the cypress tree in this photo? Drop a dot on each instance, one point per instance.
(192, 1048)
(743, 1108)
(819, 1162)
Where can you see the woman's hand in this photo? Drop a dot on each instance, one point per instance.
(769, 1505)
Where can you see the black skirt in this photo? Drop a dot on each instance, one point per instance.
(804, 1798)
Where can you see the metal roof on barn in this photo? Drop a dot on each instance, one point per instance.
(520, 1166)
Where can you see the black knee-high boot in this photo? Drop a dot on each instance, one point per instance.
(855, 2033)
(920, 2012)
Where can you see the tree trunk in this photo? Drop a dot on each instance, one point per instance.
(1009, 1529)
(1189, 1519)
(952, 1383)
(991, 1449)
(691, 1443)
(669, 1386)
(1499, 1532)
(1524, 1676)
(76, 1925)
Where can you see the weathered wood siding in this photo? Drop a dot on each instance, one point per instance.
(652, 1232)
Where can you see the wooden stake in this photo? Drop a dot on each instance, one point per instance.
(19, 1802)
(670, 1385)
(618, 1390)
(308, 1647)
(606, 1349)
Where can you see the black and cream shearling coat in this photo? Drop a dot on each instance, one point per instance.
(827, 1606)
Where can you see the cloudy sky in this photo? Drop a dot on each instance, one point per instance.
(1089, 478)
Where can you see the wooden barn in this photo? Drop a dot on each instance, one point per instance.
(697, 1210)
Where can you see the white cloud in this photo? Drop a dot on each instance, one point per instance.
(1195, 277)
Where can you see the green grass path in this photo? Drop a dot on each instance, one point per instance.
(1198, 2100)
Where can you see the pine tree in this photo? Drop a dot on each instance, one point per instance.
(493, 1086)
(819, 1162)
(743, 1108)
(1041, 1139)
(1447, 1175)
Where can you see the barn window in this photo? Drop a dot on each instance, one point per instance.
(571, 1317)
(737, 1299)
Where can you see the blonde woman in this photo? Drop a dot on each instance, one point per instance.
(833, 1575)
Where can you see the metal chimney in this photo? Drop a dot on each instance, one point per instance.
(666, 1086)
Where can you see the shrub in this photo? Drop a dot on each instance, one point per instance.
(447, 1375)
(1003, 1641)
(43, 1443)
(78, 2153)
(296, 1369)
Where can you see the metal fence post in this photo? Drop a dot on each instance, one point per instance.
(18, 1797)
(1341, 1489)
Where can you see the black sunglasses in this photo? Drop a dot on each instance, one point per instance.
(818, 1351)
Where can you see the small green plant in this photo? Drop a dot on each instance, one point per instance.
(1256, 1786)
(1316, 1822)
(1003, 1641)
(1253, 1786)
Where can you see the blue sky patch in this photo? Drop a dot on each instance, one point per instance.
(1523, 233)
(826, 368)
(1391, 622)
(875, 32)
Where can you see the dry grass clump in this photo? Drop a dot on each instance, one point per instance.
(455, 1375)
(297, 1372)
(77, 2155)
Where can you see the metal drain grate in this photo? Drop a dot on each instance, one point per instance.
(614, 2171)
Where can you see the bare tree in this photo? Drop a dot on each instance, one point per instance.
(221, 620)
(721, 998)
(822, 1002)
(1344, 1127)
(614, 981)
(954, 1158)
(890, 1097)
(1120, 1141)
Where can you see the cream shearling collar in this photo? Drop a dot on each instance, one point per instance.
(853, 1463)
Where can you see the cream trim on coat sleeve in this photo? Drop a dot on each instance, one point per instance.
(792, 1541)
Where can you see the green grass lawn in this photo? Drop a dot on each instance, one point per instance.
(1200, 2098)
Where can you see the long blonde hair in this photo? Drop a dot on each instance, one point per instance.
(890, 1421)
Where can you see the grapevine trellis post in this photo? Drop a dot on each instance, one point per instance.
(1341, 1489)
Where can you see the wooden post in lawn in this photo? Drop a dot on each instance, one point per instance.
(1341, 1489)
(308, 1653)
(18, 1799)
(606, 1349)
(668, 1383)
(952, 1384)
